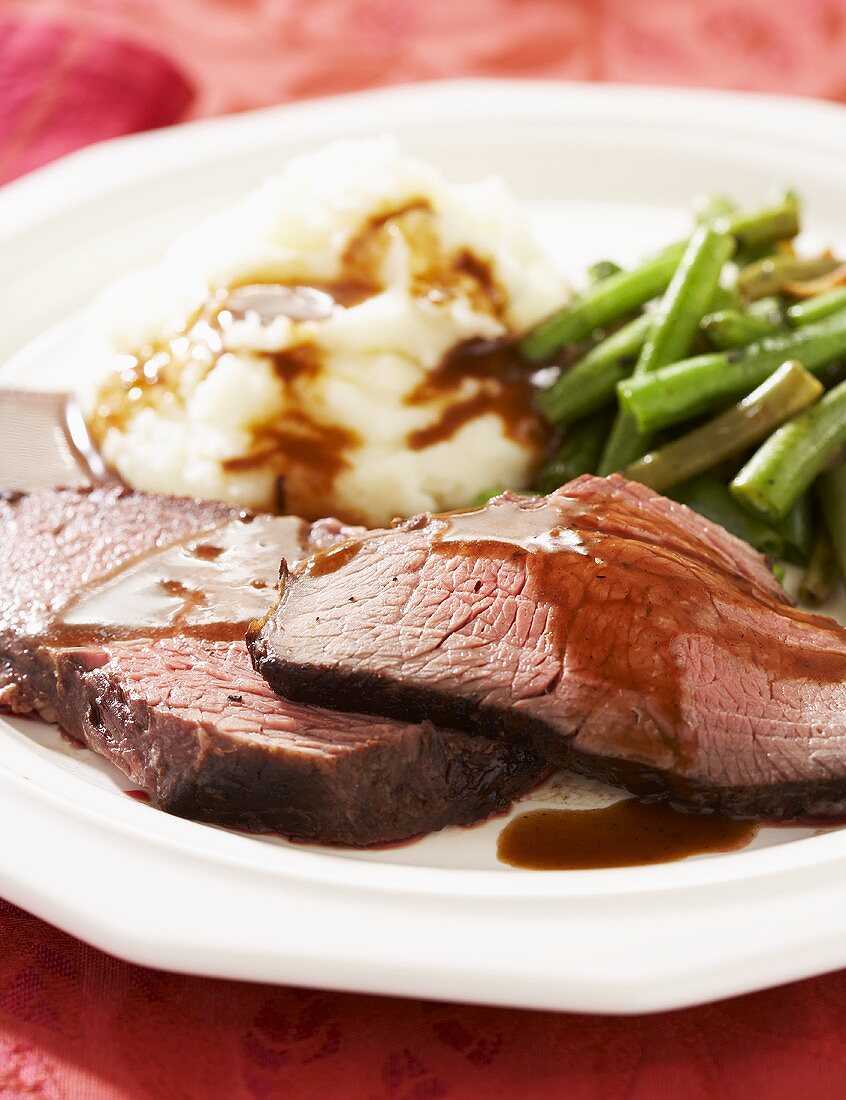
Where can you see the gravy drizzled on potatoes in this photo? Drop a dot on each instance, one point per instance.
(336, 342)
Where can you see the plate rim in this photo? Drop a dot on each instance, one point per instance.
(54, 190)
(22, 198)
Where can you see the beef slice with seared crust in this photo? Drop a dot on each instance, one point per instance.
(192, 723)
(611, 629)
(54, 542)
(160, 683)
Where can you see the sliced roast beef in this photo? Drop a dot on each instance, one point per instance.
(53, 543)
(72, 568)
(611, 629)
(197, 727)
(122, 615)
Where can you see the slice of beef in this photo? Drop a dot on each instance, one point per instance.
(122, 615)
(613, 630)
(197, 727)
(54, 542)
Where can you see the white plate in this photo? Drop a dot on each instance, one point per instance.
(605, 171)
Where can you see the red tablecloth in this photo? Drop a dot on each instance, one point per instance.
(76, 1024)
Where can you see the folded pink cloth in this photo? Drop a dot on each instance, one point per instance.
(62, 88)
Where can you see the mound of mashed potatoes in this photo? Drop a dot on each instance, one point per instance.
(334, 343)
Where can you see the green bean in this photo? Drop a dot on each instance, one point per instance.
(729, 328)
(601, 270)
(617, 295)
(769, 276)
(671, 334)
(784, 467)
(744, 257)
(736, 327)
(817, 308)
(786, 392)
(688, 296)
(602, 305)
(707, 208)
(798, 530)
(778, 222)
(832, 494)
(623, 445)
(709, 496)
(769, 309)
(590, 384)
(686, 389)
(725, 297)
(821, 571)
(782, 215)
(578, 454)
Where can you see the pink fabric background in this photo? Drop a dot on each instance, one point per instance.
(242, 53)
(78, 1025)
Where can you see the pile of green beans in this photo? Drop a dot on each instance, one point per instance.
(671, 333)
(710, 374)
(786, 392)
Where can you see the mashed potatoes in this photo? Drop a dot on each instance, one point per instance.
(330, 344)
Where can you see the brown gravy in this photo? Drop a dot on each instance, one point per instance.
(296, 362)
(628, 834)
(502, 386)
(209, 586)
(329, 561)
(307, 453)
(297, 446)
(618, 604)
(321, 448)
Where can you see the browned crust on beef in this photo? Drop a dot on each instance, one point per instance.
(372, 795)
(795, 801)
(415, 779)
(747, 712)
